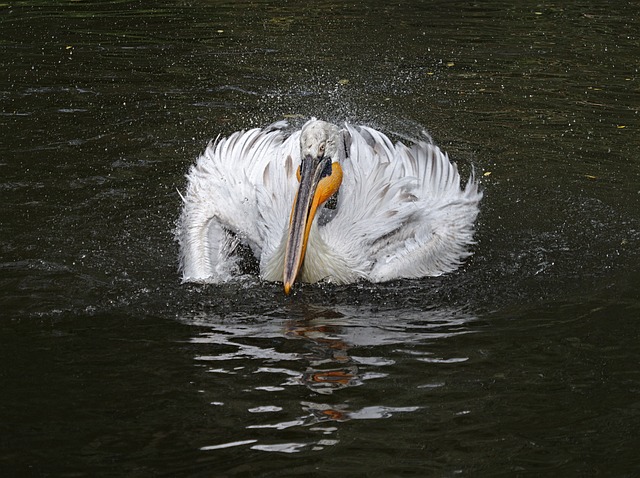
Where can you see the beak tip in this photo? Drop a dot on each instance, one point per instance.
(287, 288)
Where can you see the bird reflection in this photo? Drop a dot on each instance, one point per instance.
(261, 361)
(326, 350)
(330, 367)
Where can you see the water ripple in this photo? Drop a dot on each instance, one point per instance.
(276, 367)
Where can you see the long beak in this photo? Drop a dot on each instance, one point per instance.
(304, 209)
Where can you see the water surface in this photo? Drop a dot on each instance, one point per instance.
(523, 362)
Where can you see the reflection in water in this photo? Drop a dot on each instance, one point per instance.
(326, 350)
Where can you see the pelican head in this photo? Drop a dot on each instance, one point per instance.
(321, 146)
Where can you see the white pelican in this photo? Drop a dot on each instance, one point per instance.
(400, 210)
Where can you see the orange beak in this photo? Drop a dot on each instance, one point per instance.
(319, 180)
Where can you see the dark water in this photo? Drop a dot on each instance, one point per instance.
(523, 363)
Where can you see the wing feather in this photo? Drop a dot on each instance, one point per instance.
(226, 198)
(435, 238)
(373, 201)
(403, 206)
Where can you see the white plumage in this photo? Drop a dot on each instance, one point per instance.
(400, 213)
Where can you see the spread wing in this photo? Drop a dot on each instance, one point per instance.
(239, 191)
(436, 235)
(401, 211)
(373, 201)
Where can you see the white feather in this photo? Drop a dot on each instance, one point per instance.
(401, 211)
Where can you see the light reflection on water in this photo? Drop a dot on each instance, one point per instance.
(326, 351)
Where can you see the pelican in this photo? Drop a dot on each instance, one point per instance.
(400, 210)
